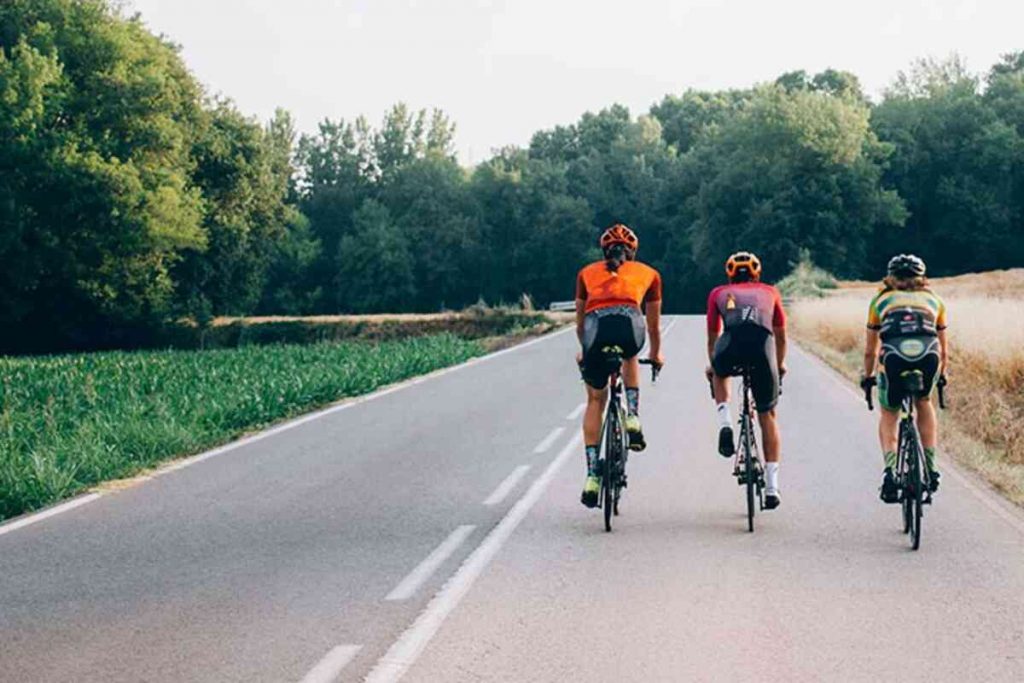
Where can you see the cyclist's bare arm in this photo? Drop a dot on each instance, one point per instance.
(871, 343)
(653, 313)
(780, 348)
(712, 340)
(581, 305)
(943, 351)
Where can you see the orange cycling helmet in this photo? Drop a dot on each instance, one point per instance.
(743, 260)
(619, 234)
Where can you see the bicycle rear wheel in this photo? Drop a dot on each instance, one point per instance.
(607, 492)
(749, 473)
(609, 473)
(917, 497)
(903, 478)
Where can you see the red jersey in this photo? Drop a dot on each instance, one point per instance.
(744, 303)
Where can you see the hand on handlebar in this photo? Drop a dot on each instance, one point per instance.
(867, 383)
(656, 362)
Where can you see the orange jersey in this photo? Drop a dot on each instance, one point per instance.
(633, 284)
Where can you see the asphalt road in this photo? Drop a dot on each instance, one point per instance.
(434, 533)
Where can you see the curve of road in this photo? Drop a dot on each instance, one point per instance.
(434, 533)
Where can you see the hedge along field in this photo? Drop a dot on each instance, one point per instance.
(69, 422)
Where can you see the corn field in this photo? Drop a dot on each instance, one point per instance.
(69, 422)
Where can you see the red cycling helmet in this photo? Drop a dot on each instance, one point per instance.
(619, 234)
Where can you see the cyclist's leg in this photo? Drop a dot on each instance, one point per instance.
(634, 335)
(595, 377)
(723, 360)
(764, 378)
(890, 397)
(596, 400)
(927, 423)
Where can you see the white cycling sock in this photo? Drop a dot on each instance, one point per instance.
(771, 477)
(724, 416)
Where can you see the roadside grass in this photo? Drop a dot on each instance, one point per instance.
(984, 427)
(70, 422)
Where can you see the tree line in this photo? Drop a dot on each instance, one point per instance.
(130, 198)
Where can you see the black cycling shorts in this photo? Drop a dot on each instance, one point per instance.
(906, 354)
(607, 332)
(750, 346)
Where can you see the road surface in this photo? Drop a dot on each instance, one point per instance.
(434, 533)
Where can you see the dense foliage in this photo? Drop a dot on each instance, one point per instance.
(128, 198)
(72, 421)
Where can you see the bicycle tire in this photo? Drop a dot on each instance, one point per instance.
(917, 486)
(750, 474)
(619, 471)
(612, 444)
(903, 478)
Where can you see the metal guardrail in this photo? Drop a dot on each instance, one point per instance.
(562, 306)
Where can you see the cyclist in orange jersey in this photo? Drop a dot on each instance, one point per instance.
(609, 298)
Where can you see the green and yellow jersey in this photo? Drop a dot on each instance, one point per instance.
(895, 312)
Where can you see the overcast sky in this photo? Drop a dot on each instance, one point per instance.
(503, 69)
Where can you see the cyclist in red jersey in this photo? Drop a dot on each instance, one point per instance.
(747, 327)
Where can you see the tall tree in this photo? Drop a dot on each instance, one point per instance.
(957, 163)
(100, 204)
(375, 266)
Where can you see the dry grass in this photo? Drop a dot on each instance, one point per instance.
(986, 316)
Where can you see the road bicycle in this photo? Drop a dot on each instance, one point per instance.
(913, 480)
(747, 465)
(614, 447)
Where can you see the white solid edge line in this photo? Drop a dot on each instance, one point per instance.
(505, 487)
(328, 668)
(989, 499)
(549, 440)
(50, 512)
(344, 404)
(425, 569)
(404, 652)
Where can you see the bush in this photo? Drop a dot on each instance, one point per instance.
(806, 280)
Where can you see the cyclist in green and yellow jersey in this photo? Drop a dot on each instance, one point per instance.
(906, 331)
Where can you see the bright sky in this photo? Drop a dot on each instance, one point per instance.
(503, 69)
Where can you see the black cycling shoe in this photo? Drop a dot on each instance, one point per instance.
(933, 481)
(772, 501)
(726, 448)
(889, 493)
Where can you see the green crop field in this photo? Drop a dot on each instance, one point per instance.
(69, 422)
